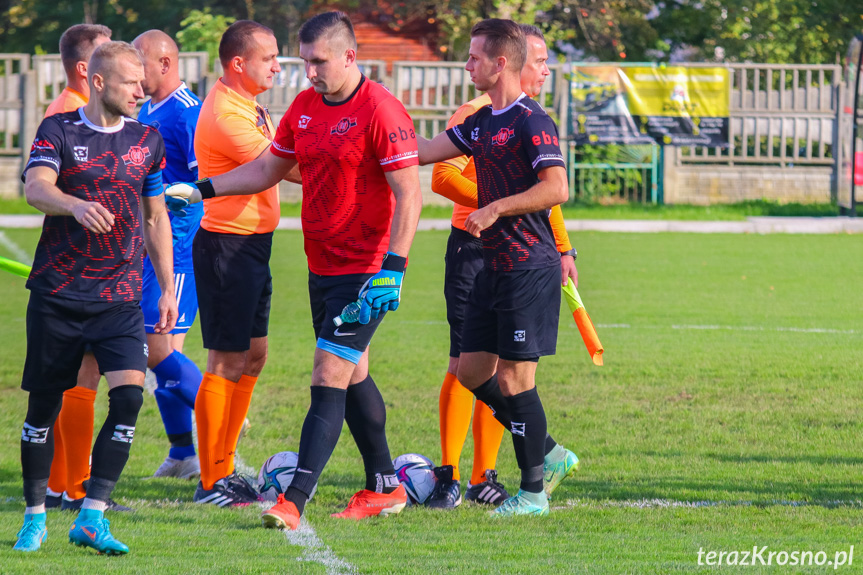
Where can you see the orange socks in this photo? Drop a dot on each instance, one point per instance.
(487, 435)
(455, 406)
(212, 412)
(239, 408)
(57, 479)
(76, 425)
(73, 439)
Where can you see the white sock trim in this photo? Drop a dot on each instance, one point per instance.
(94, 504)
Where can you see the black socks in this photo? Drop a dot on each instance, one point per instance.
(366, 417)
(318, 439)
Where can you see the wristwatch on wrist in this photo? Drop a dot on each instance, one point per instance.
(571, 252)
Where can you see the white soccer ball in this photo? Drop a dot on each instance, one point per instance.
(416, 473)
(276, 475)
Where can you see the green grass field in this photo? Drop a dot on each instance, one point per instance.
(575, 210)
(727, 416)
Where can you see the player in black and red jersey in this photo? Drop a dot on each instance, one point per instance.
(97, 175)
(356, 150)
(512, 315)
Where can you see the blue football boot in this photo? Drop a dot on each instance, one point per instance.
(90, 529)
(33, 533)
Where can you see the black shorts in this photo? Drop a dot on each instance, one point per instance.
(328, 296)
(513, 314)
(463, 262)
(59, 330)
(234, 287)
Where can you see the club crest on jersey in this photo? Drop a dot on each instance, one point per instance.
(304, 122)
(82, 153)
(343, 126)
(136, 156)
(503, 136)
(474, 134)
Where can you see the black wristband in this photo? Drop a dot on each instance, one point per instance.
(394, 263)
(206, 188)
(571, 252)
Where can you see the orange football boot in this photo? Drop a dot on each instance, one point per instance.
(282, 515)
(367, 503)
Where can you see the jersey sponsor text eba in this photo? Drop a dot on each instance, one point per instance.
(96, 164)
(510, 147)
(344, 151)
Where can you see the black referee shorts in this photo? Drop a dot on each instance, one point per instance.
(513, 314)
(463, 262)
(234, 287)
(59, 330)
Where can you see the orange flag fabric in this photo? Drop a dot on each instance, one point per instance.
(582, 320)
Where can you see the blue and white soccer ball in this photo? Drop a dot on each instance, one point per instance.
(276, 475)
(416, 473)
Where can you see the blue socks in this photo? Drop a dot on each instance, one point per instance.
(178, 379)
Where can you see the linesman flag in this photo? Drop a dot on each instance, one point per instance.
(14, 267)
(582, 320)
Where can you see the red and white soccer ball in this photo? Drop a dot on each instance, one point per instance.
(416, 473)
(276, 475)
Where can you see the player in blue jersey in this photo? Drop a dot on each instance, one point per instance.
(97, 175)
(173, 110)
(512, 313)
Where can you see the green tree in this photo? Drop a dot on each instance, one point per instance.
(772, 31)
(202, 31)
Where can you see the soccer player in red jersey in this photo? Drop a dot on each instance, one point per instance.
(512, 315)
(356, 150)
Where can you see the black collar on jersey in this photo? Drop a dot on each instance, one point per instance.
(348, 99)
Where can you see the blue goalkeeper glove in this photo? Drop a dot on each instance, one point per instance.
(181, 195)
(381, 292)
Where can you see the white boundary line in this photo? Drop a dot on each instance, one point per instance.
(673, 504)
(305, 536)
(314, 550)
(708, 327)
(14, 248)
(731, 328)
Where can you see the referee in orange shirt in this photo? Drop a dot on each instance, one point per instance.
(231, 255)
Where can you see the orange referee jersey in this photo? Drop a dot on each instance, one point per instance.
(233, 130)
(69, 100)
(455, 179)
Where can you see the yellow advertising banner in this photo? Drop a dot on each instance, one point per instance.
(673, 105)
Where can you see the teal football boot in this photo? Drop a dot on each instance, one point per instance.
(33, 533)
(524, 503)
(559, 464)
(91, 529)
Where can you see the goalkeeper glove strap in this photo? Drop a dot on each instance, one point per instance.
(394, 263)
